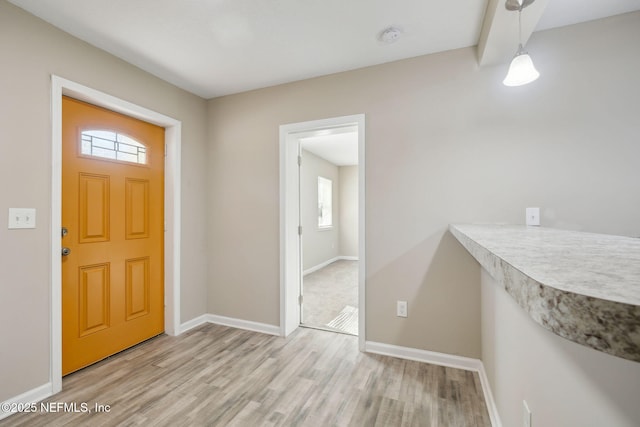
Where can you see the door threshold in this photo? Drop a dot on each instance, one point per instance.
(327, 329)
(118, 353)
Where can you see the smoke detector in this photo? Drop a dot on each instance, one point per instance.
(390, 35)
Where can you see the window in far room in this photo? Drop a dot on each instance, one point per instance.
(325, 217)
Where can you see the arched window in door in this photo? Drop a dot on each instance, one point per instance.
(114, 146)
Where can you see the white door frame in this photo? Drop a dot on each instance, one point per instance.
(290, 262)
(60, 87)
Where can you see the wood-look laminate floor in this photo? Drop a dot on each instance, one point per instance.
(219, 376)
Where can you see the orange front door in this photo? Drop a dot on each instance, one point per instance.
(112, 212)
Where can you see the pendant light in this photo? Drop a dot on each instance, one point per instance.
(521, 70)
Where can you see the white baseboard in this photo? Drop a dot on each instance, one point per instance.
(232, 322)
(193, 323)
(326, 263)
(244, 324)
(442, 359)
(319, 266)
(32, 396)
(488, 397)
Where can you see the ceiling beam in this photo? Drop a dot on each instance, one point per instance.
(499, 35)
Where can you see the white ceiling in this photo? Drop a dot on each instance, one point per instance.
(219, 47)
(341, 149)
(559, 13)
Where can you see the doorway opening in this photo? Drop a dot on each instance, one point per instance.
(329, 219)
(311, 223)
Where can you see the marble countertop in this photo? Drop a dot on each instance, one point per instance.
(584, 287)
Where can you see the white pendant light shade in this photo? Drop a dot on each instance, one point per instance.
(521, 70)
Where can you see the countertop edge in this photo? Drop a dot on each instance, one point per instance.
(607, 326)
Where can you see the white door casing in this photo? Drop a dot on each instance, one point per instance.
(173, 131)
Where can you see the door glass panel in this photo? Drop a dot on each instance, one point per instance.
(112, 145)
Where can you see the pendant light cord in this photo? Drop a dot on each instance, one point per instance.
(520, 26)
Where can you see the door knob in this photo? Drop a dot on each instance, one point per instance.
(66, 251)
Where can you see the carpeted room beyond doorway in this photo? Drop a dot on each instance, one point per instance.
(331, 297)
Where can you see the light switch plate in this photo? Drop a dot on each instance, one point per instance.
(22, 218)
(533, 216)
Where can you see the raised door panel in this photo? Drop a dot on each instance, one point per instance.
(93, 208)
(137, 208)
(137, 288)
(93, 298)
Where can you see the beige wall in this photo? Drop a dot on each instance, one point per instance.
(31, 51)
(445, 142)
(348, 211)
(318, 246)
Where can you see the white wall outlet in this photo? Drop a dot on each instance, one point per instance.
(533, 216)
(526, 414)
(22, 218)
(402, 309)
